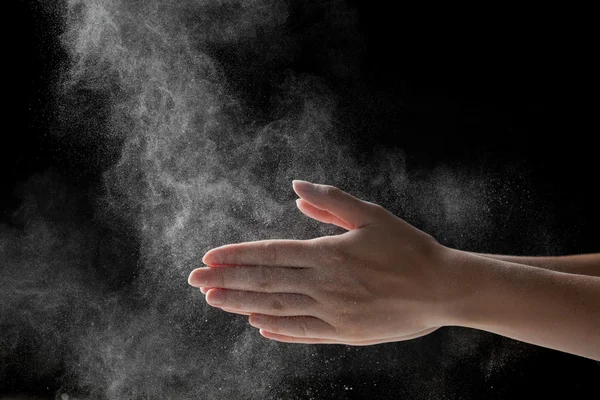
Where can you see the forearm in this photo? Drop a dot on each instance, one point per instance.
(539, 306)
(584, 264)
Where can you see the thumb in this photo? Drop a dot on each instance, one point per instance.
(321, 215)
(355, 212)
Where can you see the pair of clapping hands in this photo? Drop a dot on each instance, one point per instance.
(384, 280)
(377, 282)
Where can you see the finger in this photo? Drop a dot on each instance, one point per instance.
(355, 212)
(280, 253)
(252, 278)
(292, 339)
(273, 304)
(305, 340)
(299, 326)
(235, 311)
(321, 215)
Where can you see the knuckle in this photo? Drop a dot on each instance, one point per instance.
(329, 190)
(217, 278)
(263, 281)
(303, 325)
(270, 252)
(338, 256)
(377, 211)
(270, 324)
(335, 255)
(348, 327)
(329, 247)
(277, 306)
(375, 208)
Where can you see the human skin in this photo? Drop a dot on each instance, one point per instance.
(581, 264)
(384, 280)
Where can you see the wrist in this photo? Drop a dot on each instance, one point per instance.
(483, 290)
(543, 307)
(462, 282)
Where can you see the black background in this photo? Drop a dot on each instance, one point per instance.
(480, 88)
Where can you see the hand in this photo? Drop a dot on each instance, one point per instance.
(381, 281)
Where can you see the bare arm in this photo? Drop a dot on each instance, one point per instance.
(384, 281)
(539, 306)
(583, 264)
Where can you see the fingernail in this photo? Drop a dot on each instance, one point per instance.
(216, 299)
(256, 321)
(303, 186)
(206, 257)
(195, 280)
(213, 256)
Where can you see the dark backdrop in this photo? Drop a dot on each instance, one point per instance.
(496, 89)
